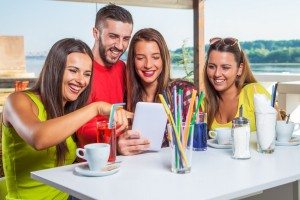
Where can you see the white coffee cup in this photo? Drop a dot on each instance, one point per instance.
(222, 135)
(96, 154)
(285, 131)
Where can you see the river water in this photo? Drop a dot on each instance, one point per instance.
(35, 64)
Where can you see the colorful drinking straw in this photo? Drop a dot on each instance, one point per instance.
(188, 118)
(170, 118)
(201, 97)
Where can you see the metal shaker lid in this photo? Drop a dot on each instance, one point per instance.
(240, 120)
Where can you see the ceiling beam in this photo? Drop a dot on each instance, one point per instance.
(178, 4)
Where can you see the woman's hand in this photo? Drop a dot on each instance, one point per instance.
(131, 143)
(103, 108)
(121, 118)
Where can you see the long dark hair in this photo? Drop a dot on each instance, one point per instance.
(212, 96)
(134, 87)
(49, 84)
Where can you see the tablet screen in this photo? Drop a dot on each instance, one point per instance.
(150, 119)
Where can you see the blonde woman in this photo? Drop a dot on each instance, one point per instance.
(229, 83)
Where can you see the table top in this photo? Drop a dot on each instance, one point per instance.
(215, 175)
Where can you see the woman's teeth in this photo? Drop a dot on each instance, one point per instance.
(148, 73)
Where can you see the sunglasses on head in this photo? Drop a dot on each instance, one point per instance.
(225, 41)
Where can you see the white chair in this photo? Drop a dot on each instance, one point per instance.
(289, 98)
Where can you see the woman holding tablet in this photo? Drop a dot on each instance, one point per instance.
(147, 75)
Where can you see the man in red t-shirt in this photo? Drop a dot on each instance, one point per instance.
(112, 32)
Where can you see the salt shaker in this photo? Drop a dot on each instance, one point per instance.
(240, 137)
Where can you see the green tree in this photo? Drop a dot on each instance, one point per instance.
(186, 61)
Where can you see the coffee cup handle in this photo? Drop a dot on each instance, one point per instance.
(297, 127)
(80, 151)
(212, 134)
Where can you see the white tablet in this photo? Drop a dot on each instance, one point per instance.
(150, 119)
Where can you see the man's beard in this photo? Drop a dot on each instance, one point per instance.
(107, 62)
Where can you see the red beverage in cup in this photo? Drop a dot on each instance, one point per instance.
(107, 135)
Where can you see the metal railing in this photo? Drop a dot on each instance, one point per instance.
(276, 77)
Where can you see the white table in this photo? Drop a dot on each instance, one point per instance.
(215, 175)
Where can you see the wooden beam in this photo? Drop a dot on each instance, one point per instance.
(199, 46)
(179, 4)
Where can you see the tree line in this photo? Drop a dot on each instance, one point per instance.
(259, 51)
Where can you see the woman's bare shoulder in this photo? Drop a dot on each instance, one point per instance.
(17, 102)
(18, 98)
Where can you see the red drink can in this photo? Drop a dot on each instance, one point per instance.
(107, 135)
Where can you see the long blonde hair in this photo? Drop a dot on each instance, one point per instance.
(212, 97)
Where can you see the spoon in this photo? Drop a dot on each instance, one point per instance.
(288, 118)
(112, 163)
(111, 166)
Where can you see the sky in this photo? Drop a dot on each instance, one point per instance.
(43, 22)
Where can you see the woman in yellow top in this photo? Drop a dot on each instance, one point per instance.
(229, 83)
(38, 123)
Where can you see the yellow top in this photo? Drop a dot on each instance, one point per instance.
(246, 98)
(19, 159)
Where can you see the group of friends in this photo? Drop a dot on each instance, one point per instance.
(77, 86)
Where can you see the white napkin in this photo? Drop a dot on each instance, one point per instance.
(265, 116)
(262, 104)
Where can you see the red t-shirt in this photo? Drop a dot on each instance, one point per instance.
(107, 86)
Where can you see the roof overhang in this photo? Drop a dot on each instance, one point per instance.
(179, 4)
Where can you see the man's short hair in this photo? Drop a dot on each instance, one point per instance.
(114, 12)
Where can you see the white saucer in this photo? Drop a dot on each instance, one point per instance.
(213, 143)
(295, 140)
(109, 169)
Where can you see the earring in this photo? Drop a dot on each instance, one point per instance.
(237, 80)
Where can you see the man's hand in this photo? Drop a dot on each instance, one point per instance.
(131, 143)
(121, 118)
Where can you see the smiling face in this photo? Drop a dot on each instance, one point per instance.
(112, 40)
(222, 71)
(77, 76)
(148, 62)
